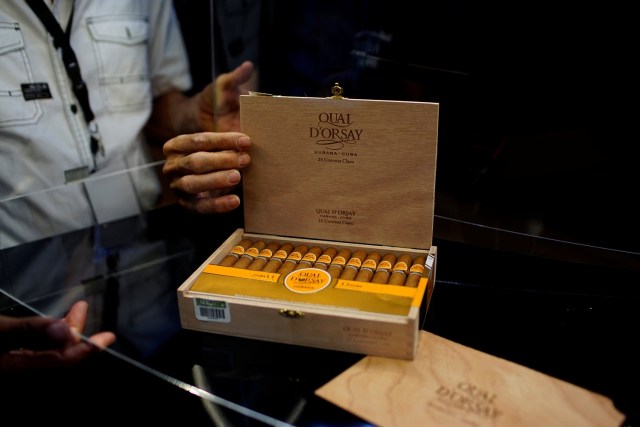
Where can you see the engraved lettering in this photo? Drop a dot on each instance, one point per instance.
(332, 131)
(469, 399)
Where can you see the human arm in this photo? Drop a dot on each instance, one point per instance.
(33, 342)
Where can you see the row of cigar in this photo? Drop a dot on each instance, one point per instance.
(344, 264)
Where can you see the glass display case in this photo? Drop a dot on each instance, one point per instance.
(535, 216)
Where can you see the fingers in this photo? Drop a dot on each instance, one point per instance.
(206, 141)
(32, 332)
(102, 340)
(203, 168)
(202, 172)
(206, 162)
(214, 196)
(39, 333)
(209, 203)
(76, 318)
(237, 77)
(23, 360)
(228, 88)
(205, 153)
(195, 184)
(18, 361)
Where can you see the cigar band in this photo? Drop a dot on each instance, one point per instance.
(400, 266)
(252, 252)
(384, 265)
(417, 269)
(339, 261)
(324, 259)
(370, 264)
(237, 250)
(265, 253)
(280, 254)
(294, 256)
(311, 257)
(355, 262)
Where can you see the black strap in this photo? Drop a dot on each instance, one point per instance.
(61, 41)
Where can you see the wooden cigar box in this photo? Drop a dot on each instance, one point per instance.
(335, 173)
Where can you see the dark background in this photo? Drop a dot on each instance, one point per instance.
(535, 130)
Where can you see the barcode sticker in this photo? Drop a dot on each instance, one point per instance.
(212, 311)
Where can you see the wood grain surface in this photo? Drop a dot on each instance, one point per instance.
(452, 385)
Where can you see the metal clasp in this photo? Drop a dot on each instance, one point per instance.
(336, 91)
(292, 314)
(96, 138)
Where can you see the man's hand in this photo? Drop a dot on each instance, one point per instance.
(203, 168)
(29, 343)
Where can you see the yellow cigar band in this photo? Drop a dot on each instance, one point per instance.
(369, 263)
(417, 268)
(384, 265)
(238, 250)
(295, 256)
(339, 261)
(265, 253)
(311, 257)
(326, 259)
(355, 262)
(280, 254)
(400, 266)
(252, 252)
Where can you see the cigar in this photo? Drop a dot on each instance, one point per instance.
(235, 253)
(292, 260)
(265, 255)
(368, 267)
(276, 260)
(384, 267)
(338, 262)
(351, 269)
(325, 259)
(415, 272)
(248, 256)
(399, 270)
(309, 258)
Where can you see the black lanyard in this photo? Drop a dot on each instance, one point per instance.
(61, 41)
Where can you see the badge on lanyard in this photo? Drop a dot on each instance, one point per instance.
(32, 91)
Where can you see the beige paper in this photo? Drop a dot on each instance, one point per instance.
(452, 385)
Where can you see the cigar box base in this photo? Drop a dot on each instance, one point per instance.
(308, 307)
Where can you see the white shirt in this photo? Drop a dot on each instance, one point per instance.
(129, 51)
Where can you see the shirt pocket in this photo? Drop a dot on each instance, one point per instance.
(120, 43)
(16, 70)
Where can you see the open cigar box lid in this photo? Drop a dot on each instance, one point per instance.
(340, 169)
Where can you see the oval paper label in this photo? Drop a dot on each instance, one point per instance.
(307, 280)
